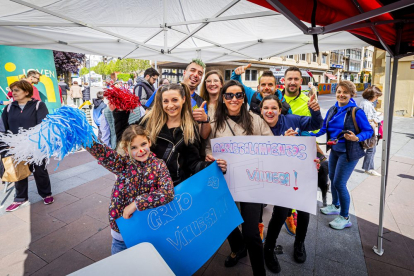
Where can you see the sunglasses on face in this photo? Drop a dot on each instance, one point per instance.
(238, 95)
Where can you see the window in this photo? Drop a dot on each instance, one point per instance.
(227, 74)
(323, 59)
(289, 56)
(251, 75)
(302, 56)
(354, 66)
(314, 57)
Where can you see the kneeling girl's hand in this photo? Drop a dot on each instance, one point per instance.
(129, 210)
(222, 164)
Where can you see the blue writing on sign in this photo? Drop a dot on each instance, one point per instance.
(268, 176)
(190, 229)
(249, 148)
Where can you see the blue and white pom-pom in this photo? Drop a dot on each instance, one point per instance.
(59, 134)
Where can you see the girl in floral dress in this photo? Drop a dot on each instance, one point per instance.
(143, 181)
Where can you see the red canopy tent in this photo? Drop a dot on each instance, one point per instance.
(386, 24)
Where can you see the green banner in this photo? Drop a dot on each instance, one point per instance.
(16, 62)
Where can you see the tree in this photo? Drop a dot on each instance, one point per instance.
(84, 71)
(361, 77)
(352, 78)
(126, 66)
(369, 77)
(67, 63)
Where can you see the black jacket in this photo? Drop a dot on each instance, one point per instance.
(86, 93)
(143, 90)
(26, 118)
(255, 105)
(182, 160)
(64, 86)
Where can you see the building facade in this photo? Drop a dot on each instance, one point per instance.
(327, 67)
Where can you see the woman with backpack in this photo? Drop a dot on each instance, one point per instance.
(26, 112)
(341, 126)
(370, 95)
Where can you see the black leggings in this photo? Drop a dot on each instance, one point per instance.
(250, 237)
(42, 180)
(279, 216)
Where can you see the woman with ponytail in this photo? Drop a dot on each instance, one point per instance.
(173, 132)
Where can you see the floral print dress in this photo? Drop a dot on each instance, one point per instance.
(147, 183)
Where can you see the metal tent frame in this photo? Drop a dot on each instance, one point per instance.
(390, 81)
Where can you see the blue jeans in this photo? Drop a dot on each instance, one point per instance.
(369, 159)
(339, 172)
(117, 246)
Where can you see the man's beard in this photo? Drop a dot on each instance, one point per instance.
(292, 92)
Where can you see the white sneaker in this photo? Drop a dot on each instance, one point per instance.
(373, 173)
(340, 223)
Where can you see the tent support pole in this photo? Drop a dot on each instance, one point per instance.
(386, 142)
(361, 17)
(389, 96)
(288, 14)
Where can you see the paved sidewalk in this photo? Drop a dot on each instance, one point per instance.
(74, 231)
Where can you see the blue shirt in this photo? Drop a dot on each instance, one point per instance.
(336, 123)
(250, 91)
(304, 123)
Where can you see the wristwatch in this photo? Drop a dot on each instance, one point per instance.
(205, 122)
(357, 139)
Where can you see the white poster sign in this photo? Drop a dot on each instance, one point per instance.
(273, 170)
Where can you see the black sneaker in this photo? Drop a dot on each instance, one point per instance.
(234, 258)
(271, 260)
(299, 252)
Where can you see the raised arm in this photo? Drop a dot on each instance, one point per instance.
(311, 123)
(236, 75)
(315, 121)
(108, 158)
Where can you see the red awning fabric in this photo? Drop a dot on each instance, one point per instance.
(330, 76)
(329, 12)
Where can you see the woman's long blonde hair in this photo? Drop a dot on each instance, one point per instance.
(157, 118)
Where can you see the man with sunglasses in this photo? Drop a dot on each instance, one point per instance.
(267, 86)
(33, 77)
(145, 85)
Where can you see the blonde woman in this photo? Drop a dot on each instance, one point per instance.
(173, 132)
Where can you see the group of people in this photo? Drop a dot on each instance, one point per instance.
(76, 92)
(155, 151)
(179, 124)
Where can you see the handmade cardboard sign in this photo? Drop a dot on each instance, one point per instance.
(273, 170)
(190, 229)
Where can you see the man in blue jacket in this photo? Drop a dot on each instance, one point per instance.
(267, 86)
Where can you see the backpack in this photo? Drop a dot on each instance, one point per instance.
(370, 142)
